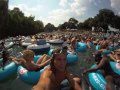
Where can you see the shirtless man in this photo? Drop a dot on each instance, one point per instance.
(53, 75)
(103, 64)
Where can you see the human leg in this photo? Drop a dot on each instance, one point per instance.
(43, 59)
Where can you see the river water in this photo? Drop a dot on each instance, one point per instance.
(16, 84)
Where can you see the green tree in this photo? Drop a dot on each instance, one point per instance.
(49, 27)
(72, 23)
(3, 17)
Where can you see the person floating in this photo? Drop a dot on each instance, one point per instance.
(54, 74)
(103, 64)
(27, 60)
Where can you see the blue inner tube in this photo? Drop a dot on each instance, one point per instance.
(97, 47)
(105, 52)
(114, 67)
(72, 58)
(81, 47)
(97, 80)
(8, 71)
(50, 52)
(30, 77)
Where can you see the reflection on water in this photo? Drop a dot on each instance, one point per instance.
(17, 84)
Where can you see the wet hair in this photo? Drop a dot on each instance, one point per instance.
(27, 53)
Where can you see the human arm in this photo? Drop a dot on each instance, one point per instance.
(74, 81)
(16, 60)
(44, 82)
(44, 63)
(99, 66)
(40, 66)
(112, 56)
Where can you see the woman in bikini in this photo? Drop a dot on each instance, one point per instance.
(27, 60)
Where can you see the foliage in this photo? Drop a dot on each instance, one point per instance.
(19, 24)
(49, 27)
(14, 22)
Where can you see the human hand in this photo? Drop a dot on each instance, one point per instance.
(12, 58)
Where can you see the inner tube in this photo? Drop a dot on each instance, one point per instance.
(105, 52)
(97, 47)
(50, 52)
(30, 77)
(41, 41)
(24, 44)
(97, 80)
(8, 44)
(55, 41)
(81, 47)
(115, 68)
(72, 58)
(39, 48)
(8, 71)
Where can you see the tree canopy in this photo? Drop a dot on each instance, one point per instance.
(14, 22)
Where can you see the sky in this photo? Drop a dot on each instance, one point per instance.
(59, 11)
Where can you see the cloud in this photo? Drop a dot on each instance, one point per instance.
(115, 4)
(79, 9)
(57, 16)
(65, 11)
(63, 3)
(74, 9)
(34, 11)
